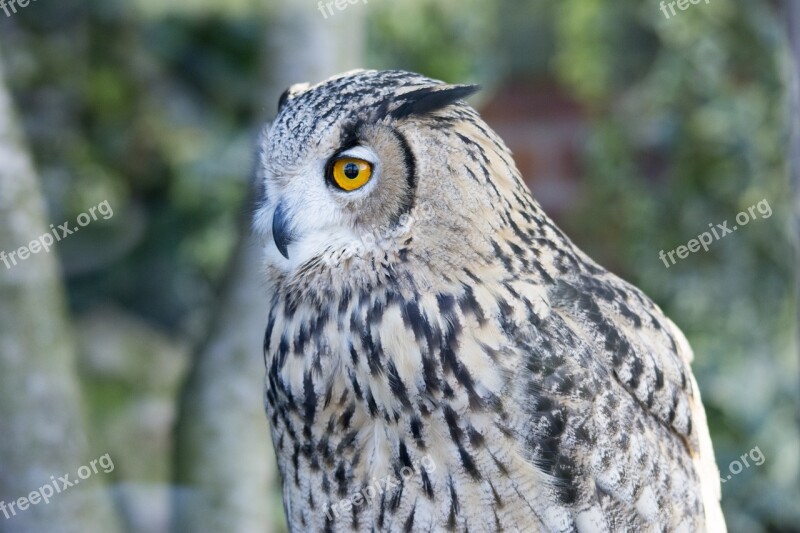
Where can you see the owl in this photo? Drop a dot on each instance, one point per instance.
(439, 355)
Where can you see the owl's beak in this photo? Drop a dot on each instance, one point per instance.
(282, 232)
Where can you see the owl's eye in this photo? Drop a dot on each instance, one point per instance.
(349, 173)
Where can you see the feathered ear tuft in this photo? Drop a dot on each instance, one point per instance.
(429, 99)
(290, 93)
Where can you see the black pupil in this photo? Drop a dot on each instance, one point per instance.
(351, 170)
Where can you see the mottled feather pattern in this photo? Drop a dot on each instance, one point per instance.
(523, 386)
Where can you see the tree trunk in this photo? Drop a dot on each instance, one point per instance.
(793, 11)
(225, 464)
(43, 431)
(225, 471)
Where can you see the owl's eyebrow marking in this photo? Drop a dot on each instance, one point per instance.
(429, 99)
(350, 137)
(411, 176)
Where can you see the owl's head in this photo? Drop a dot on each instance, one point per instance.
(369, 171)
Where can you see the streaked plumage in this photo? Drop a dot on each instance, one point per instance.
(434, 326)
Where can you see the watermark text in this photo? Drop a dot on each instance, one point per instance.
(735, 467)
(55, 486)
(683, 5)
(718, 231)
(378, 487)
(46, 241)
(326, 8)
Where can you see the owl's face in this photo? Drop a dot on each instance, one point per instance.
(370, 166)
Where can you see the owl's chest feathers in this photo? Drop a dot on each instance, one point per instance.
(393, 350)
(370, 384)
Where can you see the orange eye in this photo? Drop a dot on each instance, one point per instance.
(349, 173)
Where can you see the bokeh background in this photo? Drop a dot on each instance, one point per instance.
(140, 336)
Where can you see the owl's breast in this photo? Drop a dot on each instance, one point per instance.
(412, 390)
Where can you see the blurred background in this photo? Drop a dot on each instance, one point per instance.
(139, 337)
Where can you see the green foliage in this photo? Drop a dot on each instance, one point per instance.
(447, 40)
(157, 115)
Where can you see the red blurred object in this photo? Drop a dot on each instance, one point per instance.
(545, 129)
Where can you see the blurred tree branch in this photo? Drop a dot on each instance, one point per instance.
(224, 461)
(793, 9)
(44, 432)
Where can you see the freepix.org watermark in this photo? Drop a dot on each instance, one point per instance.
(384, 235)
(378, 487)
(736, 467)
(44, 242)
(326, 8)
(683, 5)
(55, 486)
(718, 231)
(10, 6)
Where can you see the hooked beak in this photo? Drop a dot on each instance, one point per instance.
(282, 233)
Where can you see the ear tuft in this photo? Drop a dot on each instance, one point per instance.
(283, 99)
(429, 99)
(290, 93)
